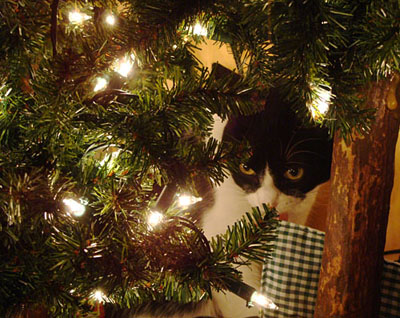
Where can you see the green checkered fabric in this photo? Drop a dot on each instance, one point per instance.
(290, 277)
(390, 290)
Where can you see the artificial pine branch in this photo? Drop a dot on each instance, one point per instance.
(251, 237)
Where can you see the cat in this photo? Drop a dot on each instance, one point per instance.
(288, 165)
(289, 160)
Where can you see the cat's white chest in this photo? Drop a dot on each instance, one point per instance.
(230, 205)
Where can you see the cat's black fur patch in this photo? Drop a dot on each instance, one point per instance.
(279, 140)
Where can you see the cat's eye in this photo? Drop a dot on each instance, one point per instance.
(294, 174)
(245, 169)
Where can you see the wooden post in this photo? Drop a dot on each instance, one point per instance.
(362, 179)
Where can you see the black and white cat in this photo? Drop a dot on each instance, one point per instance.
(287, 166)
(289, 163)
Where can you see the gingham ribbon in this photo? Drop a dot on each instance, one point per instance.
(290, 278)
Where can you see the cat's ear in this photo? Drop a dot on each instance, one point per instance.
(236, 127)
(221, 72)
(230, 78)
(257, 94)
(267, 99)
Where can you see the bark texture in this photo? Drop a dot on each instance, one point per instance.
(362, 179)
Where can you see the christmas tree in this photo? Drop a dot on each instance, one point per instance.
(105, 118)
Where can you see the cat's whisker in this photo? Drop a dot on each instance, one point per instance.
(299, 143)
(305, 151)
(293, 163)
(287, 150)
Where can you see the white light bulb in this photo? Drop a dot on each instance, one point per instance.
(110, 19)
(185, 200)
(154, 218)
(99, 296)
(101, 83)
(198, 29)
(124, 66)
(320, 104)
(263, 301)
(74, 207)
(77, 17)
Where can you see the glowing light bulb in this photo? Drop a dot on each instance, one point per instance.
(77, 17)
(101, 83)
(74, 207)
(124, 66)
(185, 200)
(263, 301)
(154, 218)
(319, 106)
(198, 29)
(110, 19)
(99, 296)
(251, 295)
(323, 100)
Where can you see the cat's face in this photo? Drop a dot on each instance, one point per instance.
(286, 163)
